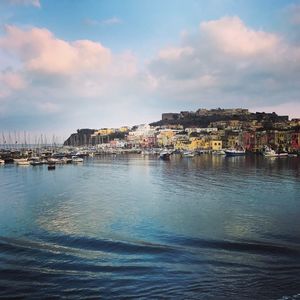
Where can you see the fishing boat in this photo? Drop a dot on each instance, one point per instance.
(235, 152)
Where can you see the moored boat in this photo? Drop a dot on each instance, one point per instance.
(268, 152)
(164, 155)
(22, 161)
(35, 161)
(51, 167)
(16, 160)
(188, 154)
(77, 159)
(66, 160)
(235, 152)
(219, 152)
(53, 160)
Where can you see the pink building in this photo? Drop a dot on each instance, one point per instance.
(295, 141)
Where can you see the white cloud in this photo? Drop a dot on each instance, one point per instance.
(228, 63)
(41, 51)
(231, 36)
(108, 22)
(12, 80)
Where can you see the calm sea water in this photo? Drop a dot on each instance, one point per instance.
(137, 227)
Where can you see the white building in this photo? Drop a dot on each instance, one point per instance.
(199, 130)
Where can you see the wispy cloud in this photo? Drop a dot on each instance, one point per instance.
(108, 22)
(294, 14)
(111, 21)
(35, 3)
(228, 63)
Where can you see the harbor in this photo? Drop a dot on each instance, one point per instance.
(58, 156)
(221, 223)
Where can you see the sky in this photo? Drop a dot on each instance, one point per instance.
(73, 64)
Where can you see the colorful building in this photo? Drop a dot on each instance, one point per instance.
(216, 145)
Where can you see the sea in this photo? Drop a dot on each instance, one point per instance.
(137, 227)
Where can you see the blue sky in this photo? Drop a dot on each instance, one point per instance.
(143, 24)
(71, 63)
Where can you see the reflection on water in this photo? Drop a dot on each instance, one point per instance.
(205, 227)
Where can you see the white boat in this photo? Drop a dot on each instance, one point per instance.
(22, 162)
(77, 159)
(35, 161)
(16, 160)
(66, 160)
(2, 161)
(60, 161)
(219, 152)
(188, 154)
(53, 160)
(283, 154)
(164, 155)
(146, 152)
(268, 152)
(235, 152)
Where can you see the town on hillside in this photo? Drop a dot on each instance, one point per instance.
(202, 130)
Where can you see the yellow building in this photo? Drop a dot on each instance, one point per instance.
(216, 145)
(124, 129)
(281, 137)
(232, 141)
(182, 145)
(165, 138)
(235, 123)
(105, 131)
(197, 143)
